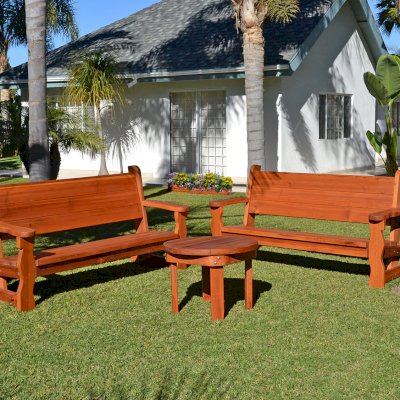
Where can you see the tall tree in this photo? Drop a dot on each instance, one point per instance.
(35, 12)
(95, 82)
(60, 21)
(250, 17)
(388, 15)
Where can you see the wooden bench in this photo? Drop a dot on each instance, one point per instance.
(31, 209)
(372, 200)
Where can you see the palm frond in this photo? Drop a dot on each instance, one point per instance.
(282, 11)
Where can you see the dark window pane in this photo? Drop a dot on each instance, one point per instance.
(322, 111)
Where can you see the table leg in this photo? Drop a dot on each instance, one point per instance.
(217, 293)
(248, 285)
(174, 288)
(205, 279)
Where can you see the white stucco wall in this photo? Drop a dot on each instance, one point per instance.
(147, 114)
(335, 64)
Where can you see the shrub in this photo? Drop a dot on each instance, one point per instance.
(208, 181)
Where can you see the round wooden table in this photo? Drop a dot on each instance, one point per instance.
(212, 253)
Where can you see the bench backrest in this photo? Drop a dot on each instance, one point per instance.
(320, 196)
(54, 206)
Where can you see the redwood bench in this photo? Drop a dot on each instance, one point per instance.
(372, 200)
(31, 209)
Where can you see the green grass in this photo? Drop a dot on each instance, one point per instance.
(10, 163)
(316, 331)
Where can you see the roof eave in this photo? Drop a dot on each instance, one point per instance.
(162, 76)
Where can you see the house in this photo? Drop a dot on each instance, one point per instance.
(183, 67)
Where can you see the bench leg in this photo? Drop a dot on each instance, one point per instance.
(3, 283)
(375, 255)
(217, 293)
(205, 279)
(25, 298)
(248, 285)
(174, 288)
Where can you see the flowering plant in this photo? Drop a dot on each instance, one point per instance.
(204, 182)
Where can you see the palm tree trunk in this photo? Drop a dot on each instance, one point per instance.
(39, 164)
(253, 52)
(103, 165)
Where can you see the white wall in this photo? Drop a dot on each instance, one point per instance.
(145, 125)
(336, 63)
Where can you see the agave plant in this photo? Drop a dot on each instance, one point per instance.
(385, 87)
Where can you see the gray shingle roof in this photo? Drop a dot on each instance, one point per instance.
(183, 35)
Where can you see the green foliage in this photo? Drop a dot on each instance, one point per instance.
(13, 125)
(208, 181)
(385, 87)
(60, 18)
(65, 130)
(388, 15)
(93, 80)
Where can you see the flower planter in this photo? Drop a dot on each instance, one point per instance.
(174, 188)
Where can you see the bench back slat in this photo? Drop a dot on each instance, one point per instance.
(55, 206)
(346, 198)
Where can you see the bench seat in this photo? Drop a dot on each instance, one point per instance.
(309, 241)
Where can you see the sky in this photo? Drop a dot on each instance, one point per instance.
(94, 14)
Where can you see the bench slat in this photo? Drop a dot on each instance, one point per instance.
(335, 183)
(313, 211)
(295, 235)
(60, 189)
(99, 247)
(340, 199)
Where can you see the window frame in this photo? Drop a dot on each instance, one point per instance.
(323, 112)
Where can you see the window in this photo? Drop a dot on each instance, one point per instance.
(335, 114)
(198, 131)
(396, 117)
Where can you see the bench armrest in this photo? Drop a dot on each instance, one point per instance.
(384, 215)
(17, 231)
(180, 214)
(227, 202)
(217, 211)
(166, 205)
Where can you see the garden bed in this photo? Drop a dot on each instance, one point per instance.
(209, 183)
(174, 188)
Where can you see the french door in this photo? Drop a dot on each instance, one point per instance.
(198, 132)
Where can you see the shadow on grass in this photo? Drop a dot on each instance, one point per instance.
(234, 292)
(161, 190)
(55, 284)
(173, 385)
(314, 263)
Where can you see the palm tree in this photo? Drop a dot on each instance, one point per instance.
(94, 82)
(60, 21)
(39, 163)
(250, 17)
(388, 15)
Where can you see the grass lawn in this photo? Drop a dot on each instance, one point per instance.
(316, 331)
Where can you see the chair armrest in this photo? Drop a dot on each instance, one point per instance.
(17, 231)
(227, 202)
(384, 215)
(166, 205)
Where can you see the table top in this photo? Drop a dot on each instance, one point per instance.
(210, 246)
